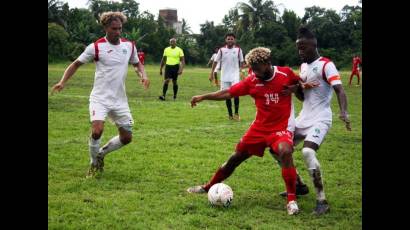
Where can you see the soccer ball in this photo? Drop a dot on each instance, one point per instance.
(220, 194)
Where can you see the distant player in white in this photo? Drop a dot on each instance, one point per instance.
(214, 77)
(315, 118)
(230, 57)
(108, 97)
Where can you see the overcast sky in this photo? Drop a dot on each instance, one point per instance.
(196, 12)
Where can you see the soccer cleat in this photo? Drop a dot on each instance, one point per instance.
(292, 207)
(100, 163)
(92, 171)
(196, 189)
(301, 190)
(236, 117)
(230, 117)
(162, 98)
(321, 207)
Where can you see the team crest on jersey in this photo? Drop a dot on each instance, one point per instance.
(124, 51)
(315, 69)
(317, 131)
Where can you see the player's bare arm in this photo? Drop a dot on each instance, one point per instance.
(163, 61)
(341, 98)
(211, 75)
(209, 62)
(68, 73)
(215, 96)
(181, 65)
(140, 70)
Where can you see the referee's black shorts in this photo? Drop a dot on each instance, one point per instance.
(171, 71)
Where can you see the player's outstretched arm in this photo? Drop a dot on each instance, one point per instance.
(140, 70)
(342, 99)
(215, 96)
(68, 73)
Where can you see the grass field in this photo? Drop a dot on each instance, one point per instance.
(174, 147)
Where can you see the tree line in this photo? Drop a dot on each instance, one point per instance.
(255, 23)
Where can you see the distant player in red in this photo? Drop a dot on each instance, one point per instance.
(274, 123)
(141, 56)
(355, 69)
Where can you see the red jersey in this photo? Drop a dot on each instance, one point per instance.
(356, 62)
(274, 111)
(141, 57)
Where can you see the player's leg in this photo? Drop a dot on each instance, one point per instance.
(175, 86)
(310, 146)
(301, 187)
(351, 77)
(167, 79)
(216, 78)
(98, 113)
(222, 173)
(228, 102)
(358, 77)
(124, 121)
(283, 146)
(124, 137)
(236, 102)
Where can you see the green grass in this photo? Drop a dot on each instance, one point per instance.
(174, 147)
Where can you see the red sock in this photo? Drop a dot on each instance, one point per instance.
(289, 176)
(218, 177)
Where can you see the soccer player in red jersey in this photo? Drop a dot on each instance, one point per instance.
(355, 70)
(274, 123)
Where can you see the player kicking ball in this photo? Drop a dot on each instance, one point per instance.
(274, 123)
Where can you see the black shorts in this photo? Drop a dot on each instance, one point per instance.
(171, 71)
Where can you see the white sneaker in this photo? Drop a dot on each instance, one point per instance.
(196, 189)
(292, 207)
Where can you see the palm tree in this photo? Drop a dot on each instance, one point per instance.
(186, 29)
(255, 13)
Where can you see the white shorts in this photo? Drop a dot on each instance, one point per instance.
(315, 133)
(120, 115)
(227, 84)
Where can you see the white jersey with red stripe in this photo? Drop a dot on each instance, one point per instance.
(111, 70)
(229, 59)
(316, 105)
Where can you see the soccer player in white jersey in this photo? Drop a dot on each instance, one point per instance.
(230, 57)
(315, 118)
(214, 77)
(108, 97)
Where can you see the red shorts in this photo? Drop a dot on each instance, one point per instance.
(254, 141)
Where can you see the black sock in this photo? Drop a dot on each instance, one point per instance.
(164, 89)
(236, 102)
(229, 106)
(175, 87)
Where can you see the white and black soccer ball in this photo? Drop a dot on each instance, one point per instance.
(220, 194)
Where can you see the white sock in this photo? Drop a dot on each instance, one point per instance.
(94, 146)
(320, 193)
(111, 145)
(313, 165)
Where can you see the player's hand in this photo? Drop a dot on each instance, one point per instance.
(195, 100)
(309, 85)
(160, 72)
(57, 88)
(345, 118)
(145, 82)
(289, 89)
